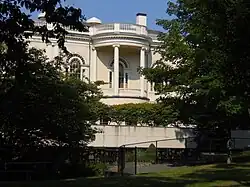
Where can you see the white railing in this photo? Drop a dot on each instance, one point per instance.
(120, 27)
(108, 28)
(122, 92)
(40, 23)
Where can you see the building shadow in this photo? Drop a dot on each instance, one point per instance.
(232, 175)
(132, 181)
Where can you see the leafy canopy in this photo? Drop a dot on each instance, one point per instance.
(39, 106)
(205, 63)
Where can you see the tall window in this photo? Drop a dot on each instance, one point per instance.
(110, 79)
(75, 68)
(123, 74)
(126, 80)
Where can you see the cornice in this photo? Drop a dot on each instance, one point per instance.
(106, 37)
(77, 37)
(122, 35)
(130, 39)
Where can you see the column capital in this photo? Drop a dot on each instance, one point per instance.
(144, 48)
(116, 45)
(93, 48)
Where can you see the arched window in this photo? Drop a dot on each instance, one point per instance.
(76, 67)
(123, 74)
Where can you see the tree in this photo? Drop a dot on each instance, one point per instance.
(38, 106)
(46, 110)
(207, 44)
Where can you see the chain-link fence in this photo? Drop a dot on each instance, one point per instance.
(154, 156)
(238, 150)
(150, 156)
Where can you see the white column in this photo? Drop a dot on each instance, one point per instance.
(116, 69)
(149, 65)
(142, 65)
(93, 65)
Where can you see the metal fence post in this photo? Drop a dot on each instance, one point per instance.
(156, 152)
(135, 160)
(229, 152)
(121, 160)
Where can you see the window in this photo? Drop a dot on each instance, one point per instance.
(110, 79)
(123, 74)
(126, 80)
(76, 67)
(83, 74)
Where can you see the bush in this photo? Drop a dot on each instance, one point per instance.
(97, 169)
(82, 170)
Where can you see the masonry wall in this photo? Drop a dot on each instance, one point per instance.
(116, 136)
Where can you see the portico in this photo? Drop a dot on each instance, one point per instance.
(123, 77)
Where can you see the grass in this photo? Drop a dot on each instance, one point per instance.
(214, 175)
(235, 175)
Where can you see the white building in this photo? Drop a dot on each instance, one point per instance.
(111, 53)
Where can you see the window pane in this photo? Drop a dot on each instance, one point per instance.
(126, 80)
(83, 74)
(121, 76)
(110, 79)
(75, 68)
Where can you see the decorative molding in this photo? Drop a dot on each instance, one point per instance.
(127, 97)
(120, 36)
(116, 45)
(71, 56)
(144, 40)
(82, 38)
(122, 60)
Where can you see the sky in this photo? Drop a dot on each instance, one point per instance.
(123, 11)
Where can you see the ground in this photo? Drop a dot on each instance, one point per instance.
(235, 175)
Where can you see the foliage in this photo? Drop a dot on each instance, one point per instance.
(46, 110)
(38, 106)
(16, 21)
(97, 169)
(207, 45)
(151, 114)
(83, 170)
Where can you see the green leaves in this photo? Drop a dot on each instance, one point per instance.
(37, 104)
(143, 114)
(47, 106)
(207, 43)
